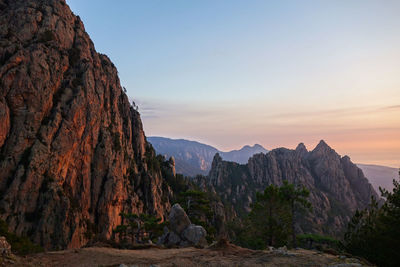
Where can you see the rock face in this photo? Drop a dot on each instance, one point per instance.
(337, 186)
(195, 234)
(182, 232)
(73, 154)
(178, 219)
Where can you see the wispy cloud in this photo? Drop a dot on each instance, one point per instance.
(352, 130)
(253, 116)
(392, 107)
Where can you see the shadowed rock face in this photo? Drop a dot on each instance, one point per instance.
(73, 154)
(337, 186)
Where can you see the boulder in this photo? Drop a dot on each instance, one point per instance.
(5, 247)
(173, 239)
(182, 232)
(169, 239)
(196, 235)
(178, 219)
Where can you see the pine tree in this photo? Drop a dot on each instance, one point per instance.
(139, 227)
(270, 217)
(297, 199)
(374, 233)
(197, 206)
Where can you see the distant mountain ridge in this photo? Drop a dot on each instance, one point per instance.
(242, 155)
(192, 158)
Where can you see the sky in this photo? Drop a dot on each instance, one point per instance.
(276, 73)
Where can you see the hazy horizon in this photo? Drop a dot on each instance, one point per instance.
(276, 73)
(309, 147)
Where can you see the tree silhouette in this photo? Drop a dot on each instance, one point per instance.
(374, 232)
(139, 227)
(296, 196)
(270, 217)
(197, 206)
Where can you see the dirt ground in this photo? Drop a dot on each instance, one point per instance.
(228, 256)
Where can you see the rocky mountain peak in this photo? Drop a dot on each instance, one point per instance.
(258, 147)
(73, 154)
(301, 148)
(253, 147)
(217, 159)
(337, 187)
(322, 145)
(250, 147)
(346, 158)
(324, 150)
(171, 162)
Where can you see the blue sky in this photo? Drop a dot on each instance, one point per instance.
(277, 73)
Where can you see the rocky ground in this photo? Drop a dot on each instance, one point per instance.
(227, 256)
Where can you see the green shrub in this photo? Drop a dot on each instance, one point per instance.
(153, 162)
(137, 229)
(374, 233)
(19, 245)
(310, 241)
(196, 203)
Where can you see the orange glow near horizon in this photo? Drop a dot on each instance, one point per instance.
(369, 135)
(232, 73)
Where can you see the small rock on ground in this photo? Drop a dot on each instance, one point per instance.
(346, 265)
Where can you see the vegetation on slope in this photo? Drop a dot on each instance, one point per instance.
(19, 245)
(272, 218)
(197, 206)
(374, 232)
(138, 229)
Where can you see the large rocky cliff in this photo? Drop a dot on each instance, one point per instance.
(337, 186)
(73, 154)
